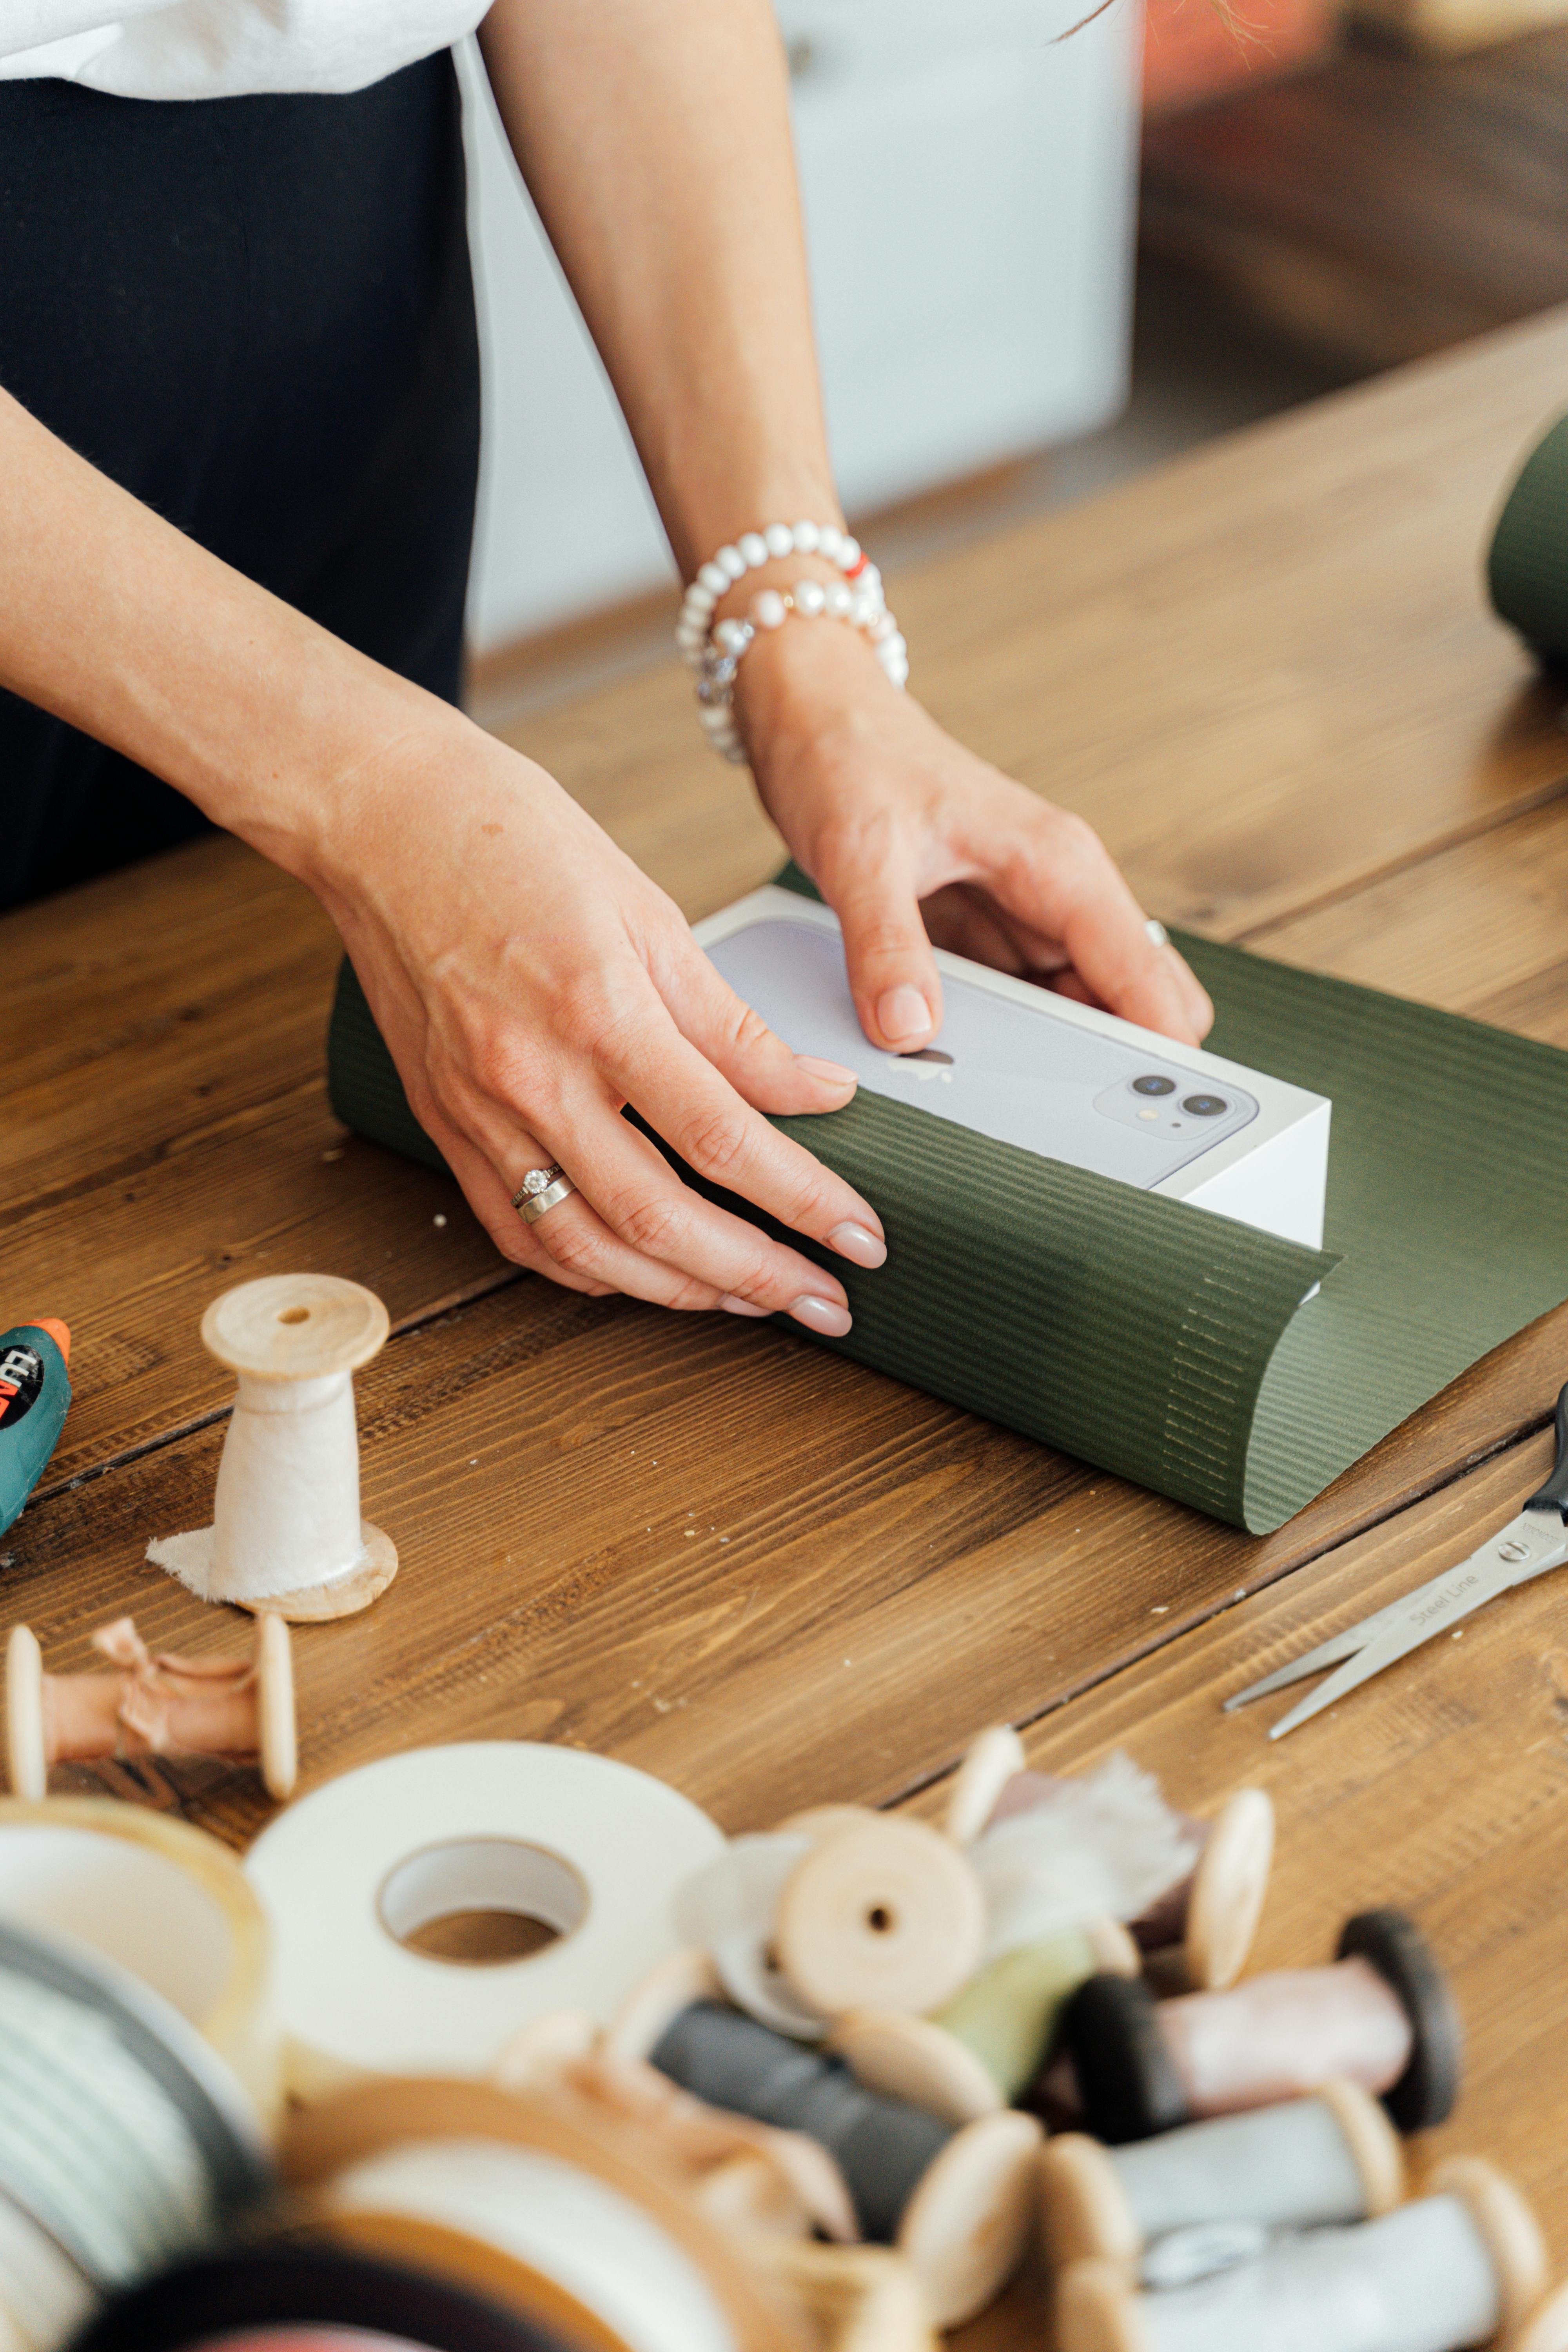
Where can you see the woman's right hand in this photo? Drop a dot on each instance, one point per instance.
(529, 981)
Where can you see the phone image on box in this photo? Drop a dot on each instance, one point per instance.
(1016, 1061)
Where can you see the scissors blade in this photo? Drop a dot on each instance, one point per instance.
(1528, 1545)
(1329, 1654)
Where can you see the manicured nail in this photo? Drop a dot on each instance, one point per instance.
(822, 1315)
(733, 1305)
(903, 1017)
(858, 1243)
(834, 1073)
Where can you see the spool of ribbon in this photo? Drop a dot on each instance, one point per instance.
(541, 2206)
(873, 1912)
(983, 2049)
(151, 1706)
(1381, 2015)
(1331, 2157)
(1105, 1842)
(123, 2141)
(160, 1900)
(286, 1533)
(956, 2203)
(1463, 2266)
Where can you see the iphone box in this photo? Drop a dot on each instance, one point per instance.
(1020, 1063)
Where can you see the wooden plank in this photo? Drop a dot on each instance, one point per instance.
(1265, 672)
(1377, 207)
(1482, 928)
(229, 1186)
(711, 1549)
(1441, 1787)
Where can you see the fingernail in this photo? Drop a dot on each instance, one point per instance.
(903, 1014)
(858, 1243)
(834, 1073)
(822, 1315)
(733, 1305)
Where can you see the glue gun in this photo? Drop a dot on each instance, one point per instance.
(35, 1389)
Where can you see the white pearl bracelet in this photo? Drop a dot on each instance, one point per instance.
(715, 653)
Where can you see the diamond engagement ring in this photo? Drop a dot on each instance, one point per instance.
(542, 1190)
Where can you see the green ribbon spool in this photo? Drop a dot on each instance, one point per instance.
(1160, 1341)
(1527, 567)
(1007, 2015)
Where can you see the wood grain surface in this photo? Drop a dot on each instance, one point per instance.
(1376, 206)
(717, 1552)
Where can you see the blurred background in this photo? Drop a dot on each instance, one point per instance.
(1044, 256)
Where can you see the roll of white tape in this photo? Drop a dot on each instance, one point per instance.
(165, 1900)
(593, 1848)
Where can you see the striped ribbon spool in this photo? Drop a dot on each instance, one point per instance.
(124, 2142)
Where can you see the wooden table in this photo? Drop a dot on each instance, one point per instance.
(1267, 675)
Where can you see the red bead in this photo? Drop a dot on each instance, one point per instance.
(859, 566)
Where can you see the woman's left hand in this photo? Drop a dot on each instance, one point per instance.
(913, 841)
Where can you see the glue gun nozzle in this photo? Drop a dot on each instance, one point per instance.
(59, 1332)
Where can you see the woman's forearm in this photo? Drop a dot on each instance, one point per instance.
(117, 623)
(655, 139)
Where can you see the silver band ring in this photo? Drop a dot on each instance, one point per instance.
(1157, 932)
(542, 1190)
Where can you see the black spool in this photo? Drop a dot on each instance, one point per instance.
(1393, 1945)
(883, 2146)
(1126, 2079)
(304, 2283)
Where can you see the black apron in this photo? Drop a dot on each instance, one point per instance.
(255, 314)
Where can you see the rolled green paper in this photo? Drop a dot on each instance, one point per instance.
(1159, 1341)
(1008, 2014)
(1527, 568)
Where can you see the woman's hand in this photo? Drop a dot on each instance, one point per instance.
(913, 841)
(529, 981)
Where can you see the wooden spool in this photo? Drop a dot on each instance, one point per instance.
(885, 1915)
(286, 1329)
(152, 1706)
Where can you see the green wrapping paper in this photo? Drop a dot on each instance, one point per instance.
(1527, 569)
(1161, 1341)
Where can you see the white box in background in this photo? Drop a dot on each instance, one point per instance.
(969, 182)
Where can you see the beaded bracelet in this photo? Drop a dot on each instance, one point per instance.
(715, 653)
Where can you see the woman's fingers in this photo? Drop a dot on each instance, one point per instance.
(740, 1044)
(1060, 882)
(631, 1206)
(892, 972)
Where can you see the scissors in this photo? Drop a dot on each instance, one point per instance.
(1534, 1541)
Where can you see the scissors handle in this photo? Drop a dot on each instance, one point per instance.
(1553, 1496)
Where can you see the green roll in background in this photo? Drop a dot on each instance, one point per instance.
(1527, 571)
(1159, 1341)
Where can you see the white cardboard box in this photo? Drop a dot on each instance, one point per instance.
(1032, 1068)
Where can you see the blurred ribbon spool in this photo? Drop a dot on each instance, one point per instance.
(123, 2140)
(161, 1899)
(1331, 2157)
(152, 1706)
(286, 1533)
(842, 1909)
(1381, 2015)
(957, 2203)
(1463, 2266)
(525, 2201)
(592, 1848)
(983, 2049)
(303, 2294)
(1200, 1923)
